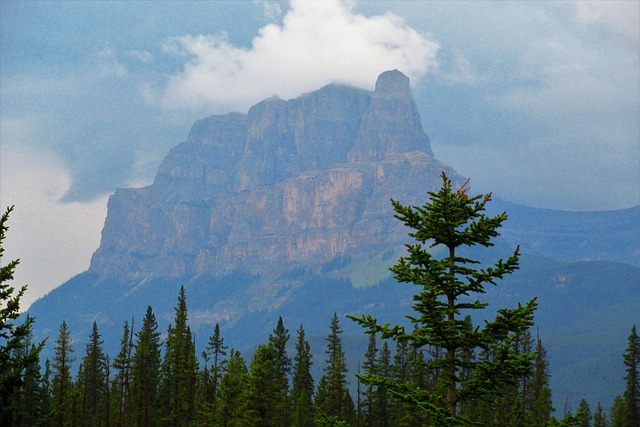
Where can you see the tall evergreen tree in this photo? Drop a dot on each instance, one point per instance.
(541, 406)
(370, 366)
(92, 379)
(29, 403)
(122, 381)
(179, 370)
(234, 399)
(264, 387)
(332, 397)
(452, 219)
(145, 372)
(16, 351)
(583, 415)
(617, 415)
(302, 390)
(382, 406)
(215, 352)
(62, 387)
(599, 417)
(631, 396)
(282, 404)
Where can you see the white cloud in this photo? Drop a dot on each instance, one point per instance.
(140, 55)
(317, 43)
(108, 63)
(271, 10)
(53, 241)
(621, 16)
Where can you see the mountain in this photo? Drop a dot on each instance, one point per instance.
(292, 184)
(285, 211)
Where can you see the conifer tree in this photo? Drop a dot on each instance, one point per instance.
(382, 407)
(583, 415)
(370, 366)
(332, 397)
(632, 391)
(599, 417)
(145, 372)
(302, 390)
(541, 405)
(453, 220)
(234, 399)
(29, 403)
(215, 352)
(617, 414)
(92, 378)
(62, 385)
(282, 404)
(179, 370)
(264, 387)
(16, 351)
(122, 381)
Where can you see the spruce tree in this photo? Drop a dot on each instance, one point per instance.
(215, 352)
(234, 399)
(541, 405)
(29, 403)
(179, 370)
(264, 387)
(583, 415)
(62, 385)
(282, 404)
(453, 220)
(599, 417)
(145, 372)
(92, 378)
(617, 415)
(302, 390)
(370, 366)
(332, 397)
(381, 409)
(631, 396)
(16, 351)
(122, 381)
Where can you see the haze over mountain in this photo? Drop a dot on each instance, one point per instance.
(285, 211)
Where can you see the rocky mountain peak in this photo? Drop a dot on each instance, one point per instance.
(393, 85)
(291, 184)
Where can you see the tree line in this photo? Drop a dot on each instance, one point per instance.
(439, 370)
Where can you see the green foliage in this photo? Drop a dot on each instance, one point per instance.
(599, 417)
(452, 219)
(62, 385)
(179, 370)
(617, 416)
(17, 354)
(145, 372)
(92, 381)
(234, 401)
(631, 359)
(122, 406)
(302, 389)
(332, 397)
(281, 408)
(215, 352)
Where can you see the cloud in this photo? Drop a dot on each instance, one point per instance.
(316, 44)
(108, 64)
(140, 55)
(620, 16)
(53, 241)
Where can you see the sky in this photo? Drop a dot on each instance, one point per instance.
(538, 102)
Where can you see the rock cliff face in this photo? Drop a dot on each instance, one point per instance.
(290, 185)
